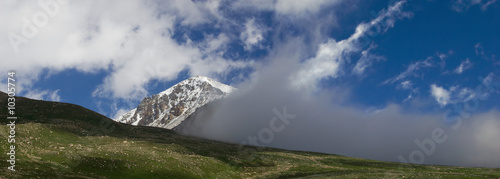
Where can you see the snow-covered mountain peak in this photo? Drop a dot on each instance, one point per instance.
(216, 84)
(171, 107)
(198, 80)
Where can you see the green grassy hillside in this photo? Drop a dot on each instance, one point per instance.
(68, 141)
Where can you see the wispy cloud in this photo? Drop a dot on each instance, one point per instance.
(367, 59)
(481, 52)
(478, 48)
(441, 95)
(252, 35)
(406, 84)
(464, 5)
(443, 57)
(295, 8)
(465, 65)
(453, 95)
(331, 55)
(411, 70)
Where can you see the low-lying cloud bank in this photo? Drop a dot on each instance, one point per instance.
(318, 121)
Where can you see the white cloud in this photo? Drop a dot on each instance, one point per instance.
(406, 84)
(385, 20)
(441, 95)
(367, 59)
(330, 55)
(363, 63)
(466, 64)
(489, 84)
(443, 57)
(466, 94)
(192, 12)
(486, 55)
(488, 79)
(130, 40)
(478, 48)
(296, 8)
(411, 70)
(215, 44)
(326, 63)
(453, 95)
(299, 7)
(47, 95)
(464, 5)
(410, 97)
(252, 35)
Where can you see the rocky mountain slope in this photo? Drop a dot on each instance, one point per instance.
(171, 107)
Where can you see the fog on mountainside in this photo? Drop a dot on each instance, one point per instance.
(323, 124)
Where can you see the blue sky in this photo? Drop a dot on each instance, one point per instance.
(448, 33)
(423, 56)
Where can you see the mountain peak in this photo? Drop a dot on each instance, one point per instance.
(199, 80)
(171, 107)
(225, 88)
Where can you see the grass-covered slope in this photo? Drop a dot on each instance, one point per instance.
(58, 140)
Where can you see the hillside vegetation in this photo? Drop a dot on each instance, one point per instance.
(59, 140)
